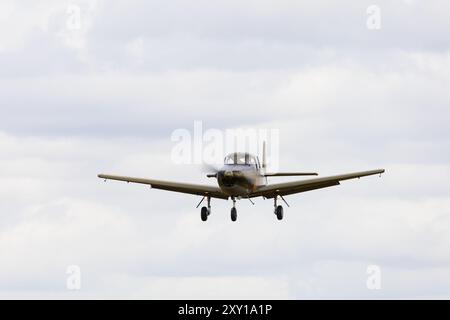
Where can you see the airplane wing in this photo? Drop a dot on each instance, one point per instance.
(286, 188)
(288, 174)
(201, 190)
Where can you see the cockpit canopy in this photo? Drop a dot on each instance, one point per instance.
(242, 159)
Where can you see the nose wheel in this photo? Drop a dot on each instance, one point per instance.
(234, 211)
(233, 214)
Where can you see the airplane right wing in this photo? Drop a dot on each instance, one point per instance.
(286, 188)
(196, 189)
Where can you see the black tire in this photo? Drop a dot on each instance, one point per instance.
(233, 214)
(204, 213)
(279, 212)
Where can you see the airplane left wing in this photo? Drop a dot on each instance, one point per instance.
(201, 190)
(286, 188)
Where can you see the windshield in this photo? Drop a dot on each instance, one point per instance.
(240, 158)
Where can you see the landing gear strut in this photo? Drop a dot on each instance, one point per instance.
(233, 210)
(206, 211)
(278, 210)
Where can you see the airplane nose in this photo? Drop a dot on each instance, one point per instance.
(226, 177)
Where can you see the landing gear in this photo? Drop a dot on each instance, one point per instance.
(233, 214)
(278, 209)
(279, 212)
(234, 211)
(206, 211)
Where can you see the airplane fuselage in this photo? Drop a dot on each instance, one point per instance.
(240, 180)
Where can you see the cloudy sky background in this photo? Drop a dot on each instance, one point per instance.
(106, 97)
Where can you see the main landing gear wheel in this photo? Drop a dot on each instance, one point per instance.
(278, 209)
(233, 214)
(279, 212)
(204, 213)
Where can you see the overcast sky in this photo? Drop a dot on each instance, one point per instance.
(103, 92)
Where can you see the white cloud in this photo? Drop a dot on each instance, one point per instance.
(135, 49)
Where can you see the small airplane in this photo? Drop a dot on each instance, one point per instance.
(243, 177)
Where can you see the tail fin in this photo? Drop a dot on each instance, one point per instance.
(264, 164)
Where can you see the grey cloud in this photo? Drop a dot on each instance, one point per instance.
(344, 99)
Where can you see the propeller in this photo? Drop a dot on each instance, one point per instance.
(213, 171)
(210, 170)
